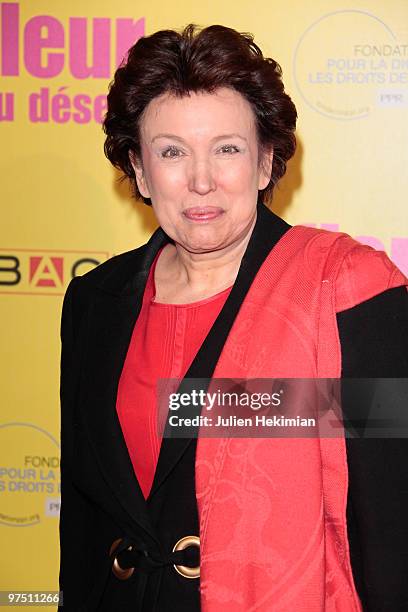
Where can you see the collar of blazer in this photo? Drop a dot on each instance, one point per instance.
(115, 306)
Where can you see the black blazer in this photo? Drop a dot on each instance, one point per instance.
(101, 500)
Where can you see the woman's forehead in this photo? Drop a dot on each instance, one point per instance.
(202, 113)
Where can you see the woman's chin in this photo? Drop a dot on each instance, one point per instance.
(208, 244)
(203, 247)
(204, 242)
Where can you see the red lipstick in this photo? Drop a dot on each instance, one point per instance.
(203, 213)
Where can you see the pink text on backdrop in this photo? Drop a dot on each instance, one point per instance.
(398, 251)
(62, 107)
(49, 46)
(6, 106)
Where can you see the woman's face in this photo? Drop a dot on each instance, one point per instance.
(200, 168)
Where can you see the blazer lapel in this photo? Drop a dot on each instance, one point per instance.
(268, 229)
(116, 304)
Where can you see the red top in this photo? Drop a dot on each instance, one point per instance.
(164, 342)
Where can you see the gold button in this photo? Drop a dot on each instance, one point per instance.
(183, 570)
(120, 572)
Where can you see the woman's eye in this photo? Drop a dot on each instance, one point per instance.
(229, 149)
(171, 152)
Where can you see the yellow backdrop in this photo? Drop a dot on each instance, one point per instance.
(63, 211)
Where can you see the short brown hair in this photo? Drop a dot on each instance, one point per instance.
(199, 60)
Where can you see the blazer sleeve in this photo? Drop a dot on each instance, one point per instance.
(374, 344)
(76, 514)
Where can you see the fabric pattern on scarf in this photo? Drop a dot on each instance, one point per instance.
(273, 511)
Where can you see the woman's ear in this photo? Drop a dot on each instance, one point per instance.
(139, 174)
(265, 169)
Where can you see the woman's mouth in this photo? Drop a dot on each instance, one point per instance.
(203, 213)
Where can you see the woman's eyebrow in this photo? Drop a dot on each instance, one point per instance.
(174, 137)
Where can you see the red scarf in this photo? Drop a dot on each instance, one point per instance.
(273, 511)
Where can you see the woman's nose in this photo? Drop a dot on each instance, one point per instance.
(201, 177)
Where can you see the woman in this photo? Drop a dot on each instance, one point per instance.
(200, 123)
